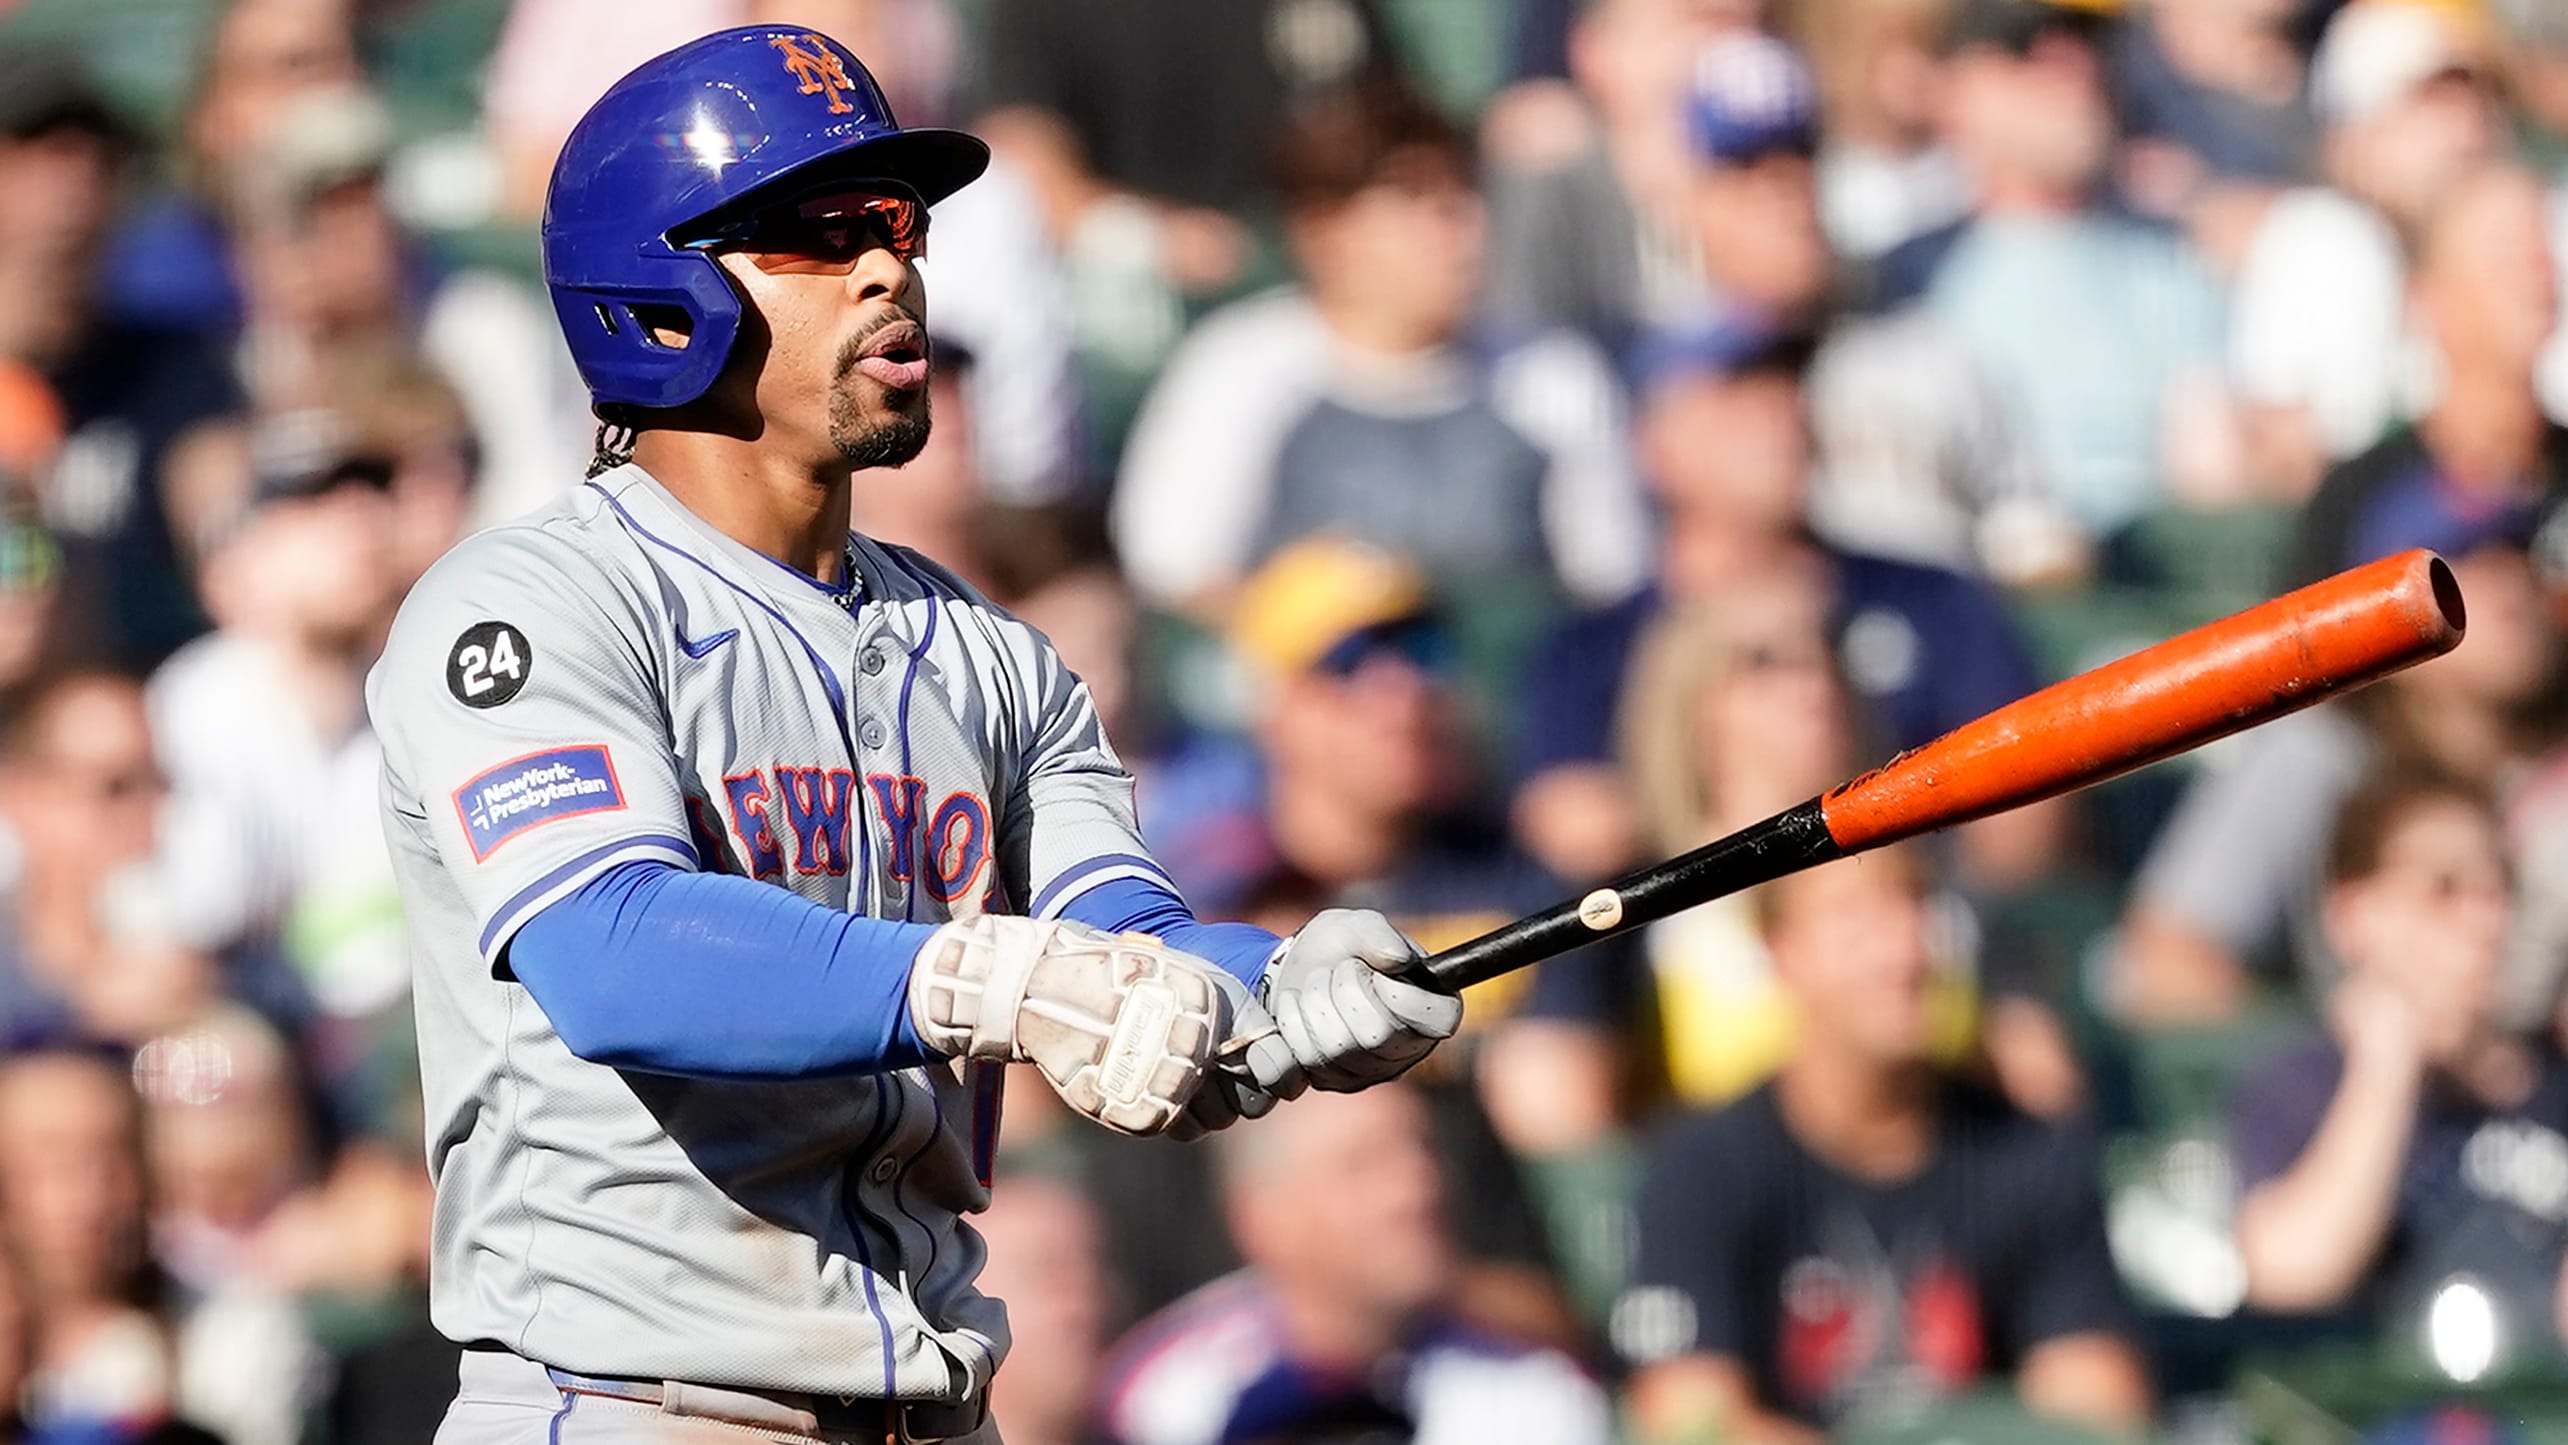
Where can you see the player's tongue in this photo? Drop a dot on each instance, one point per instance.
(895, 356)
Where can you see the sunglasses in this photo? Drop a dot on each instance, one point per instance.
(1416, 641)
(825, 232)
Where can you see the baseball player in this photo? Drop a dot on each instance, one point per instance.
(742, 853)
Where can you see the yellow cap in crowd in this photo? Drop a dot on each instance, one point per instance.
(1317, 593)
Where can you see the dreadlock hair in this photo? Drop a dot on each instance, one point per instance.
(615, 436)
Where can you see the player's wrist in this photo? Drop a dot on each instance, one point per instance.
(1275, 956)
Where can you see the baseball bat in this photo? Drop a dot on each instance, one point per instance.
(2248, 668)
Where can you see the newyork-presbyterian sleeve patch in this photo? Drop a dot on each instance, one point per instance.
(539, 788)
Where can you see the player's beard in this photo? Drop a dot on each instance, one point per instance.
(893, 441)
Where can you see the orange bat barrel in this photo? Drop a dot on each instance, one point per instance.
(2248, 668)
(2253, 667)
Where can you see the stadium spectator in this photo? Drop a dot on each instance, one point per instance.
(228, 1165)
(280, 247)
(1359, 795)
(229, 1142)
(317, 257)
(1142, 132)
(2318, 325)
(2232, 878)
(1921, 460)
(17, 1349)
(1361, 400)
(1732, 711)
(335, 292)
(1591, 186)
(402, 411)
(1340, 1325)
(16, 1343)
(143, 408)
(2387, 1162)
(88, 950)
(1151, 1206)
(2099, 334)
(2212, 93)
(170, 264)
(1865, 1234)
(253, 1218)
(1885, 177)
(1360, 786)
(1726, 450)
(71, 1209)
(1168, 100)
(1752, 123)
(2486, 295)
(262, 726)
(1726, 709)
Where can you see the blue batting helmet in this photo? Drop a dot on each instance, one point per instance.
(686, 134)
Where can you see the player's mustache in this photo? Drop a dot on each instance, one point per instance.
(853, 349)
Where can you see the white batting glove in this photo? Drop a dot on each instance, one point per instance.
(1125, 1028)
(1349, 1023)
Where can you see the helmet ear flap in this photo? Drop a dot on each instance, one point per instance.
(653, 345)
(649, 323)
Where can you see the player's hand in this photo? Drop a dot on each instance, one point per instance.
(1124, 1027)
(1252, 1069)
(1348, 1021)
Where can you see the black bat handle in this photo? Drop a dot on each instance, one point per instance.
(1791, 840)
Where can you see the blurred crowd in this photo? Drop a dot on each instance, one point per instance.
(1471, 448)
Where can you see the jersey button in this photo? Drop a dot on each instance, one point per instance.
(871, 733)
(884, 1168)
(873, 661)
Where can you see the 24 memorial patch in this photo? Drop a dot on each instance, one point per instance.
(539, 788)
(489, 664)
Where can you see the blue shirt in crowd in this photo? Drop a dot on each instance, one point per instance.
(1927, 650)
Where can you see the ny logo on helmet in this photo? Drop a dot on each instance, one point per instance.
(817, 67)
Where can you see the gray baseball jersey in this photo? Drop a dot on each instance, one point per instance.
(612, 679)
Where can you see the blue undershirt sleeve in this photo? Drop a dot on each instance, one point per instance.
(656, 969)
(1141, 905)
